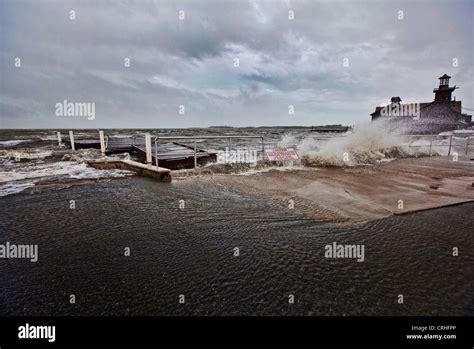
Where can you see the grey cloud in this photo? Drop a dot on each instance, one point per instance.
(190, 62)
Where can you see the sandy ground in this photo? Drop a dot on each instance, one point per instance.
(352, 195)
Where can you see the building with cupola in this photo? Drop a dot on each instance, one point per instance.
(444, 113)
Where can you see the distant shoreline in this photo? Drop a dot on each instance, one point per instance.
(169, 128)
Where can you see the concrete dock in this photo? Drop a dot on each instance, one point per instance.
(160, 173)
(360, 194)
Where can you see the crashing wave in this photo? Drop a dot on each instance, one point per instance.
(368, 144)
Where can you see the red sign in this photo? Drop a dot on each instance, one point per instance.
(281, 154)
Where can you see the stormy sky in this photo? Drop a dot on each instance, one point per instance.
(334, 62)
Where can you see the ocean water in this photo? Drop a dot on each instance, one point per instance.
(30, 158)
(190, 252)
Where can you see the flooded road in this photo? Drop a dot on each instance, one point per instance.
(188, 248)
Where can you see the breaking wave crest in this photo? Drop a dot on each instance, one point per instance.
(367, 144)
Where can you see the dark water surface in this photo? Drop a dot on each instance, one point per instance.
(190, 252)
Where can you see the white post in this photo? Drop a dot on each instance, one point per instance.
(431, 142)
(156, 153)
(71, 137)
(148, 148)
(102, 142)
(59, 138)
(195, 155)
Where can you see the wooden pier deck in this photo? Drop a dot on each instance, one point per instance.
(170, 155)
(123, 144)
(175, 155)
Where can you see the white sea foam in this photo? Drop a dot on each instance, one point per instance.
(14, 188)
(49, 138)
(21, 154)
(14, 142)
(20, 178)
(61, 168)
(286, 168)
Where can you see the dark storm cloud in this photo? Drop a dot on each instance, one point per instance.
(191, 62)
